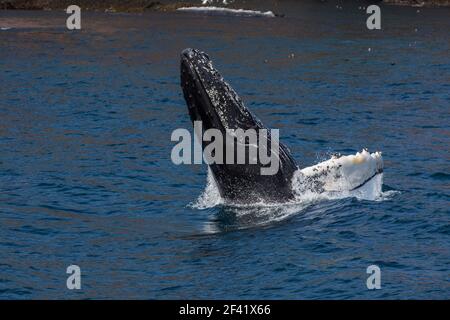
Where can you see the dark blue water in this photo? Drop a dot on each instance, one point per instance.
(86, 176)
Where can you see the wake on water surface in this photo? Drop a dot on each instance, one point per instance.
(228, 11)
(320, 185)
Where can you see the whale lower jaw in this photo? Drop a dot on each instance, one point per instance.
(344, 173)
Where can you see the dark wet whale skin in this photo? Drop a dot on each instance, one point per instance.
(212, 100)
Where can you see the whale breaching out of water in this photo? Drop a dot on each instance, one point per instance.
(212, 101)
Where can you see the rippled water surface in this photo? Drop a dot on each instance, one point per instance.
(86, 176)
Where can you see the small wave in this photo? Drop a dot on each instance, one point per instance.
(440, 176)
(387, 195)
(5, 28)
(228, 11)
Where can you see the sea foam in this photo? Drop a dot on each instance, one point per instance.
(228, 11)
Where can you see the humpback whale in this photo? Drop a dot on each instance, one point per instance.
(211, 100)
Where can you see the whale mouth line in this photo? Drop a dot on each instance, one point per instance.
(380, 171)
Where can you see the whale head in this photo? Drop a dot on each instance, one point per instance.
(211, 100)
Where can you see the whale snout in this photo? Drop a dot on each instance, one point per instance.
(193, 56)
(191, 53)
(188, 53)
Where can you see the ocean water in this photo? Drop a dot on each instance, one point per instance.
(86, 176)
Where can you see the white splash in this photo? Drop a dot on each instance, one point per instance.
(210, 196)
(228, 11)
(359, 176)
(225, 2)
